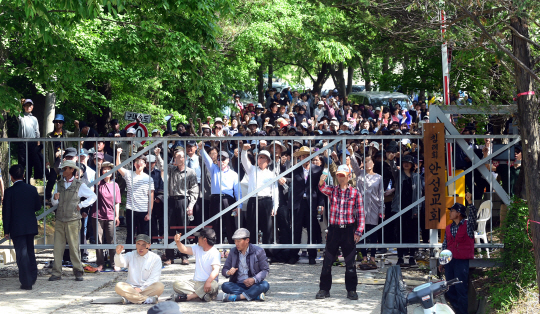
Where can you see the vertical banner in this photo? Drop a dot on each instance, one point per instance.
(434, 158)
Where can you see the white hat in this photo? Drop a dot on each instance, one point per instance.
(266, 153)
(131, 131)
(304, 125)
(374, 144)
(405, 141)
(378, 108)
(252, 122)
(216, 120)
(346, 124)
(334, 122)
(320, 102)
(155, 131)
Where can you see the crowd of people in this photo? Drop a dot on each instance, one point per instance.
(377, 178)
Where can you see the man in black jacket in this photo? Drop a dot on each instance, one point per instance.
(246, 267)
(305, 199)
(21, 201)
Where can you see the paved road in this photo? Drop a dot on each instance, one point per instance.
(293, 289)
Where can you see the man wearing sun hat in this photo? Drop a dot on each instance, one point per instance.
(67, 196)
(346, 221)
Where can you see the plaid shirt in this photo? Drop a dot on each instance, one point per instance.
(345, 206)
(471, 225)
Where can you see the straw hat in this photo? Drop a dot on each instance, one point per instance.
(304, 150)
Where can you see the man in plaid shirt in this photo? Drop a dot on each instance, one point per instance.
(346, 211)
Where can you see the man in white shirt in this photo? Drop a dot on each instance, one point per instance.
(144, 269)
(67, 195)
(267, 199)
(204, 285)
(140, 197)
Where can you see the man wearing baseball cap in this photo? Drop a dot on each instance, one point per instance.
(29, 153)
(67, 196)
(246, 279)
(346, 221)
(225, 190)
(459, 239)
(144, 269)
(53, 150)
(204, 285)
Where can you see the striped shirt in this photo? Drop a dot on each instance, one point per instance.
(345, 205)
(138, 190)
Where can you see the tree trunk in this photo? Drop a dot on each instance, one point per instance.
(386, 61)
(322, 76)
(341, 79)
(48, 114)
(270, 72)
(350, 74)
(4, 149)
(529, 117)
(364, 68)
(260, 83)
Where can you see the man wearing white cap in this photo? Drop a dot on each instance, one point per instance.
(267, 199)
(155, 133)
(346, 206)
(129, 148)
(67, 195)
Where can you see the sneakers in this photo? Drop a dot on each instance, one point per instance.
(260, 297)
(179, 297)
(229, 297)
(352, 295)
(54, 278)
(322, 294)
(151, 300)
(126, 301)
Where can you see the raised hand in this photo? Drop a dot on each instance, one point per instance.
(119, 249)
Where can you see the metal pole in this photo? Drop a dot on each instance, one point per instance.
(310, 196)
(44, 196)
(165, 178)
(384, 188)
(220, 194)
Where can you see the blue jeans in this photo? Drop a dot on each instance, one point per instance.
(250, 293)
(457, 295)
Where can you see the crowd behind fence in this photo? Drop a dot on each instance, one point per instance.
(278, 205)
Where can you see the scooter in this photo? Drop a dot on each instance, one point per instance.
(425, 294)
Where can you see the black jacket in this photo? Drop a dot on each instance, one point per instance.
(21, 202)
(301, 186)
(394, 300)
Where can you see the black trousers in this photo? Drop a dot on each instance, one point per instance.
(409, 234)
(177, 217)
(26, 259)
(389, 229)
(265, 220)
(305, 217)
(372, 238)
(157, 222)
(226, 220)
(135, 221)
(34, 158)
(337, 237)
(51, 180)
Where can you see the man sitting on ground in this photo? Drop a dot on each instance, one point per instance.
(246, 266)
(144, 270)
(204, 285)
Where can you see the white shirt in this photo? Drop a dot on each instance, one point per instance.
(260, 178)
(89, 174)
(142, 270)
(84, 191)
(204, 261)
